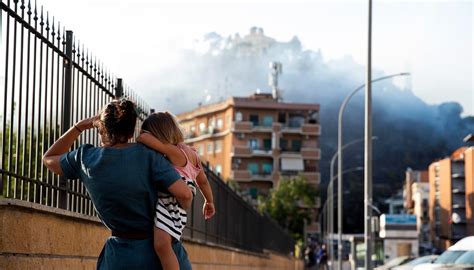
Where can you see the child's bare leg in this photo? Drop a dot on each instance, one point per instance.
(162, 244)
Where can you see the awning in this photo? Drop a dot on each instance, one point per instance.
(292, 164)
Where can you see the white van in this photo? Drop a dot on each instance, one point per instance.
(462, 251)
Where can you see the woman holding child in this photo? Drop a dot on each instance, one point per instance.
(124, 181)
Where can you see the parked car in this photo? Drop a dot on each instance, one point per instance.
(394, 262)
(411, 264)
(448, 260)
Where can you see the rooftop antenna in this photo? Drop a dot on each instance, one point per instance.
(275, 71)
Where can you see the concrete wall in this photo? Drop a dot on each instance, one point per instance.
(39, 237)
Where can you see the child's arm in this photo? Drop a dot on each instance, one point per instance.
(208, 209)
(173, 153)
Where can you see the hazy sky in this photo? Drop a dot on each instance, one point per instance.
(431, 39)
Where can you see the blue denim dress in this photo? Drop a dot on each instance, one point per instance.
(123, 185)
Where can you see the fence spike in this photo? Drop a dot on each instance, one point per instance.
(22, 7)
(53, 30)
(47, 25)
(64, 37)
(29, 8)
(41, 18)
(36, 14)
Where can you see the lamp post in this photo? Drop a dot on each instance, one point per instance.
(339, 151)
(330, 194)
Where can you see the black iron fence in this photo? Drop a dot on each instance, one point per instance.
(48, 81)
(236, 223)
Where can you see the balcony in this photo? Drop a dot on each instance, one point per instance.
(304, 129)
(245, 151)
(262, 152)
(242, 127)
(311, 129)
(458, 200)
(458, 186)
(311, 153)
(205, 134)
(312, 177)
(260, 128)
(241, 175)
(247, 176)
(262, 177)
(241, 151)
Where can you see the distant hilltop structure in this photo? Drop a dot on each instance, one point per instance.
(253, 43)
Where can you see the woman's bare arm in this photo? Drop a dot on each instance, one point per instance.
(171, 151)
(63, 144)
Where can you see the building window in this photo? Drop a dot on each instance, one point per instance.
(227, 120)
(253, 144)
(212, 122)
(254, 119)
(267, 121)
(267, 144)
(219, 123)
(253, 192)
(313, 118)
(238, 117)
(200, 149)
(218, 147)
(267, 168)
(283, 144)
(296, 145)
(282, 117)
(252, 168)
(218, 169)
(202, 128)
(296, 121)
(210, 147)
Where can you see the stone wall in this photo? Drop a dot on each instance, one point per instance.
(39, 237)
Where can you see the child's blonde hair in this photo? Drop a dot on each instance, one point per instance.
(164, 126)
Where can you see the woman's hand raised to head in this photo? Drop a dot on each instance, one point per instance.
(51, 158)
(87, 123)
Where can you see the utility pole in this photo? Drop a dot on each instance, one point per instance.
(368, 148)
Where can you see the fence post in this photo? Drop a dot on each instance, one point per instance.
(66, 116)
(207, 172)
(119, 88)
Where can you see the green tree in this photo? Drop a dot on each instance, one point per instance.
(290, 204)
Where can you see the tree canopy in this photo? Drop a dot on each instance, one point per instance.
(290, 204)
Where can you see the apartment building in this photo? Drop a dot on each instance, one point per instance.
(256, 140)
(416, 195)
(451, 204)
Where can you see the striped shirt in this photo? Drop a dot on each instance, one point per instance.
(169, 215)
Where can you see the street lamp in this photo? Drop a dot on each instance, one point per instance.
(339, 163)
(329, 200)
(330, 191)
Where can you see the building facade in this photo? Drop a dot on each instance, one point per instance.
(451, 198)
(257, 140)
(416, 196)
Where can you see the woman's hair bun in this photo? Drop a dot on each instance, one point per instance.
(117, 121)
